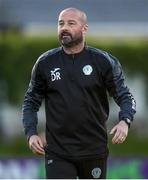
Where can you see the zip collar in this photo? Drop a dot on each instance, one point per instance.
(76, 54)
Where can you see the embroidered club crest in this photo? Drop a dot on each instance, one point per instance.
(87, 69)
(96, 172)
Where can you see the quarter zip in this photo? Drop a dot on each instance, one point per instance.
(72, 68)
(73, 58)
(76, 104)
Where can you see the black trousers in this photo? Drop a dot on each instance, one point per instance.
(61, 168)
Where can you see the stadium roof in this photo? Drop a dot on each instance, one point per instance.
(107, 13)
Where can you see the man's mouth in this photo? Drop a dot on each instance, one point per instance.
(65, 34)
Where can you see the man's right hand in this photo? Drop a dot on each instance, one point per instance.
(36, 145)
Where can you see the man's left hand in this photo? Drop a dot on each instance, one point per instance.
(120, 132)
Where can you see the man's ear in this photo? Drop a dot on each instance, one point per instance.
(85, 28)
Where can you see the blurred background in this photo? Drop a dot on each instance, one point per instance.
(27, 29)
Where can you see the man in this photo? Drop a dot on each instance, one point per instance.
(74, 80)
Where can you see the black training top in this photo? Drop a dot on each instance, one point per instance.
(75, 91)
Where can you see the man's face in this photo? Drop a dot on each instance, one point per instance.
(70, 29)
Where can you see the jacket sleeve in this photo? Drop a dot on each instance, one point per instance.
(32, 101)
(114, 81)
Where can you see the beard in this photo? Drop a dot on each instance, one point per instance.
(68, 41)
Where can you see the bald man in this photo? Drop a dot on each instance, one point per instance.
(74, 80)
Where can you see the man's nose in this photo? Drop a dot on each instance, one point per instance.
(65, 27)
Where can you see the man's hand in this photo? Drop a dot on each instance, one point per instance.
(36, 145)
(120, 132)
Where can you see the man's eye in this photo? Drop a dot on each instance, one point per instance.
(71, 23)
(61, 24)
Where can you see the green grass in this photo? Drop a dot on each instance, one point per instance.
(133, 146)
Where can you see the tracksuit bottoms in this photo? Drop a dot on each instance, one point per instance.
(63, 168)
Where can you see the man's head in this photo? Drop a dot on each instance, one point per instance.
(72, 26)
